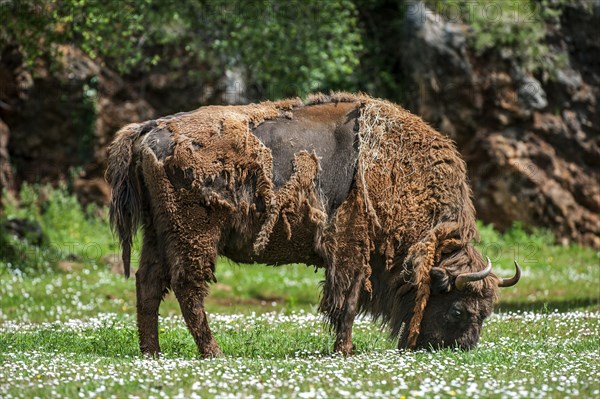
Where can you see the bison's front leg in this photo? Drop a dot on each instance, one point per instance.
(340, 303)
(344, 320)
(190, 288)
(347, 245)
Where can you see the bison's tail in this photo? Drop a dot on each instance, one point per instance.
(125, 205)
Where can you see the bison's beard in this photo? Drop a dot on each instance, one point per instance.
(391, 301)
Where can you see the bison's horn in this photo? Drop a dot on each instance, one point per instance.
(463, 279)
(509, 282)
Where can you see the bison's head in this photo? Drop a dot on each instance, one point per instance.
(459, 302)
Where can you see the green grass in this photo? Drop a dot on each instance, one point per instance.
(521, 355)
(67, 334)
(560, 277)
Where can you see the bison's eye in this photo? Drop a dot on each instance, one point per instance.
(457, 313)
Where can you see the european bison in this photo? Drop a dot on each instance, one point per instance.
(352, 184)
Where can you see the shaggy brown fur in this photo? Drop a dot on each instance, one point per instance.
(202, 184)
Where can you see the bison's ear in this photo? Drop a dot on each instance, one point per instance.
(440, 281)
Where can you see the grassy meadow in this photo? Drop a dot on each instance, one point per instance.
(67, 325)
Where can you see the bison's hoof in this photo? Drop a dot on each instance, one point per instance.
(344, 348)
(212, 355)
(151, 354)
(212, 352)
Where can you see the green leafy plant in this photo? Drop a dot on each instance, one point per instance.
(287, 49)
(293, 50)
(69, 231)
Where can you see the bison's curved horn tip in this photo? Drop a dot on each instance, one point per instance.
(464, 278)
(509, 282)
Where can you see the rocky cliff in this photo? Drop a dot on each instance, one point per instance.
(531, 142)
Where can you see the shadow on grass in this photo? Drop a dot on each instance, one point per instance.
(123, 344)
(563, 305)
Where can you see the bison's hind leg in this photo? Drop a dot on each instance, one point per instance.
(152, 282)
(192, 255)
(190, 293)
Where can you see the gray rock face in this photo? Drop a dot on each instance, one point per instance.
(435, 55)
(531, 93)
(233, 85)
